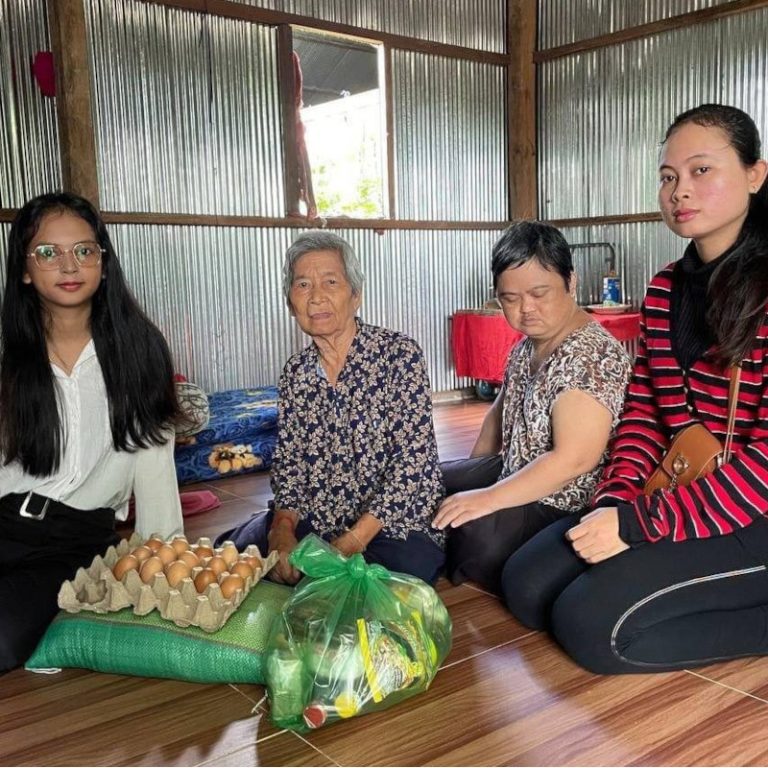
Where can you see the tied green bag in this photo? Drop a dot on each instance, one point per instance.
(353, 638)
(127, 644)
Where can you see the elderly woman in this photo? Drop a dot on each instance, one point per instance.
(356, 458)
(542, 444)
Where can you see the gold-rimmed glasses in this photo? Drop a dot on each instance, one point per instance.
(50, 256)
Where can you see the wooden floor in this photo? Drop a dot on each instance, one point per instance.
(505, 696)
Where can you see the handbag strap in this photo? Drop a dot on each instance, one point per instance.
(733, 397)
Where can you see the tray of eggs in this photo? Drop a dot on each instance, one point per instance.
(189, 584)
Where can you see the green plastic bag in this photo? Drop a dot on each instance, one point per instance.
(353, 638)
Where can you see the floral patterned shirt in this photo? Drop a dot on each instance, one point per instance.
(365, 445)
(590, 360)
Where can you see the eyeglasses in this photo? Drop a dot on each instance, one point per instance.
(85, 254)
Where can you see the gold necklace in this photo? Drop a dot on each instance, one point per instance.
(66, 367)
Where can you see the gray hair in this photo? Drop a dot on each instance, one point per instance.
(322, 241)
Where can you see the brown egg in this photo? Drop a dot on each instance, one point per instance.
(179, 544)
(230, 584)
(241, 568)
(150, 567)
(190, 558)
(203, 551)
(166, 553)
(217, 565)
(123, 565)
(229, 553)
(204, 578)
(142, 553)
(255, 562)
(177, 571)
(154, 544)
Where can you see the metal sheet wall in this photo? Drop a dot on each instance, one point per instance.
(29, 140)
(216, 294)
(566, 21)
(450, 136)
(604, 112)
(477, 24)
(187, 114)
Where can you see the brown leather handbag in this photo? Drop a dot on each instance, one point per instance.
(695, 451)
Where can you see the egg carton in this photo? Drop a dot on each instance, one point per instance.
(96, 589)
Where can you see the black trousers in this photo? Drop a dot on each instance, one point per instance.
(479, 549)
(417, 555)
(659, 607)
(36, 557)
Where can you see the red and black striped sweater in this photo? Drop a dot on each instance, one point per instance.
(656, 408)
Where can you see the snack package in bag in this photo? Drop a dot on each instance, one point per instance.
(353, 638)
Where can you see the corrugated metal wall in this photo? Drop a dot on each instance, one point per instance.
(603, 114)
(477, 24)
(29, 143)
(449, 127)
(187, 114)
(216, 293)
(566, 21)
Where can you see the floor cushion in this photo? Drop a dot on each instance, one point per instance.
(240, 436)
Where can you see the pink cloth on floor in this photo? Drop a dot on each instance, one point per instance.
(196, 502)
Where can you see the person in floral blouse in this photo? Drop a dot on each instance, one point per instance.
(356, 458)
(543, 443)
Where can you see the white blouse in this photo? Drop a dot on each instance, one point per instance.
(92, 474)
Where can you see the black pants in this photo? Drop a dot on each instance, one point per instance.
(417, 555)
(659, 607)
(479, 549)
(36, 557)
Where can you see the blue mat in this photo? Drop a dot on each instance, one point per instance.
(240, 436)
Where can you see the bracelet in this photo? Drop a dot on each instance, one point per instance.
(355, 537)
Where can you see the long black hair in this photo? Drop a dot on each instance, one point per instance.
(738, 288)
(133, 355)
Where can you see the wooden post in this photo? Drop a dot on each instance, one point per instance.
(521, 109)
(287, 89)
(73, 98)
(390, 138)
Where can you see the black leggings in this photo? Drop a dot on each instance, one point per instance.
(478, 549)
(659, 607)
(36, 557)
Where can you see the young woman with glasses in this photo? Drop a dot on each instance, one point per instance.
(87, 406)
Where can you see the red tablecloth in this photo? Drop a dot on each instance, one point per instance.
(481, 340)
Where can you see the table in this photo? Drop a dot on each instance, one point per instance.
(481, 340)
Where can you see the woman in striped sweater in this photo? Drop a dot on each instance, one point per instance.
(677, 578)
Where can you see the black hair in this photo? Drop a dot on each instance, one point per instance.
(134, 357)
(738, 288)
(526, 240)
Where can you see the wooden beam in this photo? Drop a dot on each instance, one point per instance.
(238, 10)
(521, 109)
(287, 87)
(653, 28)
(73, 98)
(596, 221)
(293, 222)
(389, 107)
(203, 220)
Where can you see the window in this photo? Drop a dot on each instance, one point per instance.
(340, 125)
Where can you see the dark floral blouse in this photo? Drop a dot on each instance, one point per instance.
(365, 445)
